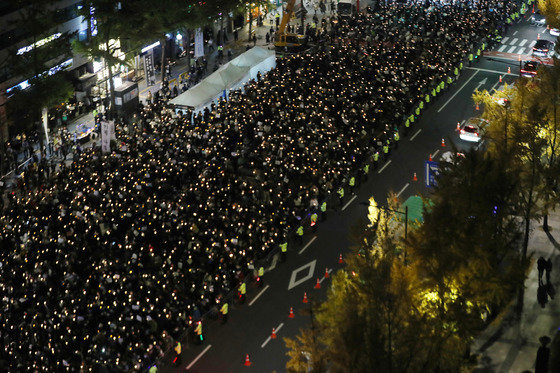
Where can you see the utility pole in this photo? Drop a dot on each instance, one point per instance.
(302, 18)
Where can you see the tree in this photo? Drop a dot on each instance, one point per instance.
(105, 43)
(464, 248)
(375, 318)
(46, 49)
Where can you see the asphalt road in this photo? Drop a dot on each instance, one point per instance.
(250, 325)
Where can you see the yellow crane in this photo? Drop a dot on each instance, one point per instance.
(286, 41)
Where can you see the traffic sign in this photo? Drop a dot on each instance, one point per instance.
(432, 171)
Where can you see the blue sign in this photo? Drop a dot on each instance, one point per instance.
(432, 171)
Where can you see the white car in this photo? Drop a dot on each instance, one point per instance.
(538, 20)
(472, 129)
(554, 32)
(450, 157)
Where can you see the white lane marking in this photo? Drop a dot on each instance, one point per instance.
(307, 245)
(403, 189)
(505, 39)
(514, 41)
(512, 49)
(321, 280)
(198, 357)
(501, 49)
(274, 261)
(382, 168)
(258, 295)
(435, 153)
(494, 86)
(523, 42)
(543, 31)
(521, 50)
(490, 71)
(416, 134)
(459, 90)
(479, 144)
(514, 33)
(276, 331)
(532, 44)
(348, 203)
(310, 271)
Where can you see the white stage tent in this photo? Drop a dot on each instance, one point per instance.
(233, 75)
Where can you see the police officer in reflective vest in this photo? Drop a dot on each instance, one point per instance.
(375, 159)
(283, 250)
(242, 292)
(365, 171)
(224, 311)
(340, 195)
(352, 184)
(397, 138)
(299, 234)
(177, 359)
(313, 219)
(260, 278)
(324, 211)
(198, 331)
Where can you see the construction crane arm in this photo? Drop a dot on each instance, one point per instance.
(288, 13)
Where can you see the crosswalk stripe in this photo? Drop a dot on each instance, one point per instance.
(501, 49)
(521, 50)
(505, 39)
(513, 47)
(523, 42)
(532, 44)
(514, 41)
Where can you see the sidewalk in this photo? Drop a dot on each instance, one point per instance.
(515, 348)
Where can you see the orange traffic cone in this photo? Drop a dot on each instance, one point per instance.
(291, 315)
(509, 70)
(443, 143)
(340, 261)
(273, 335)
(247, 361)
(326, 273)
(500, 78)
(305, 298)
(477, 107)
(414, 178)
(318, 284)
(538, 36)
(458, 126)
(430, 158)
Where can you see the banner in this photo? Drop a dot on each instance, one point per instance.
(198, 43)
(105, 137)
(149, 68)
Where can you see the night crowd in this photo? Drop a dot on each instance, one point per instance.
(107, 260)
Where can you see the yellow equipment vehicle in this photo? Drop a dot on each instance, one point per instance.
(288, 41)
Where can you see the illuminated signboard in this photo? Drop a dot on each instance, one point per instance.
(39, 43)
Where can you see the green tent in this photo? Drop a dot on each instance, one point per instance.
(415, 206)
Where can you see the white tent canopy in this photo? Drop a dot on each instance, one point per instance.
(230, 76)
